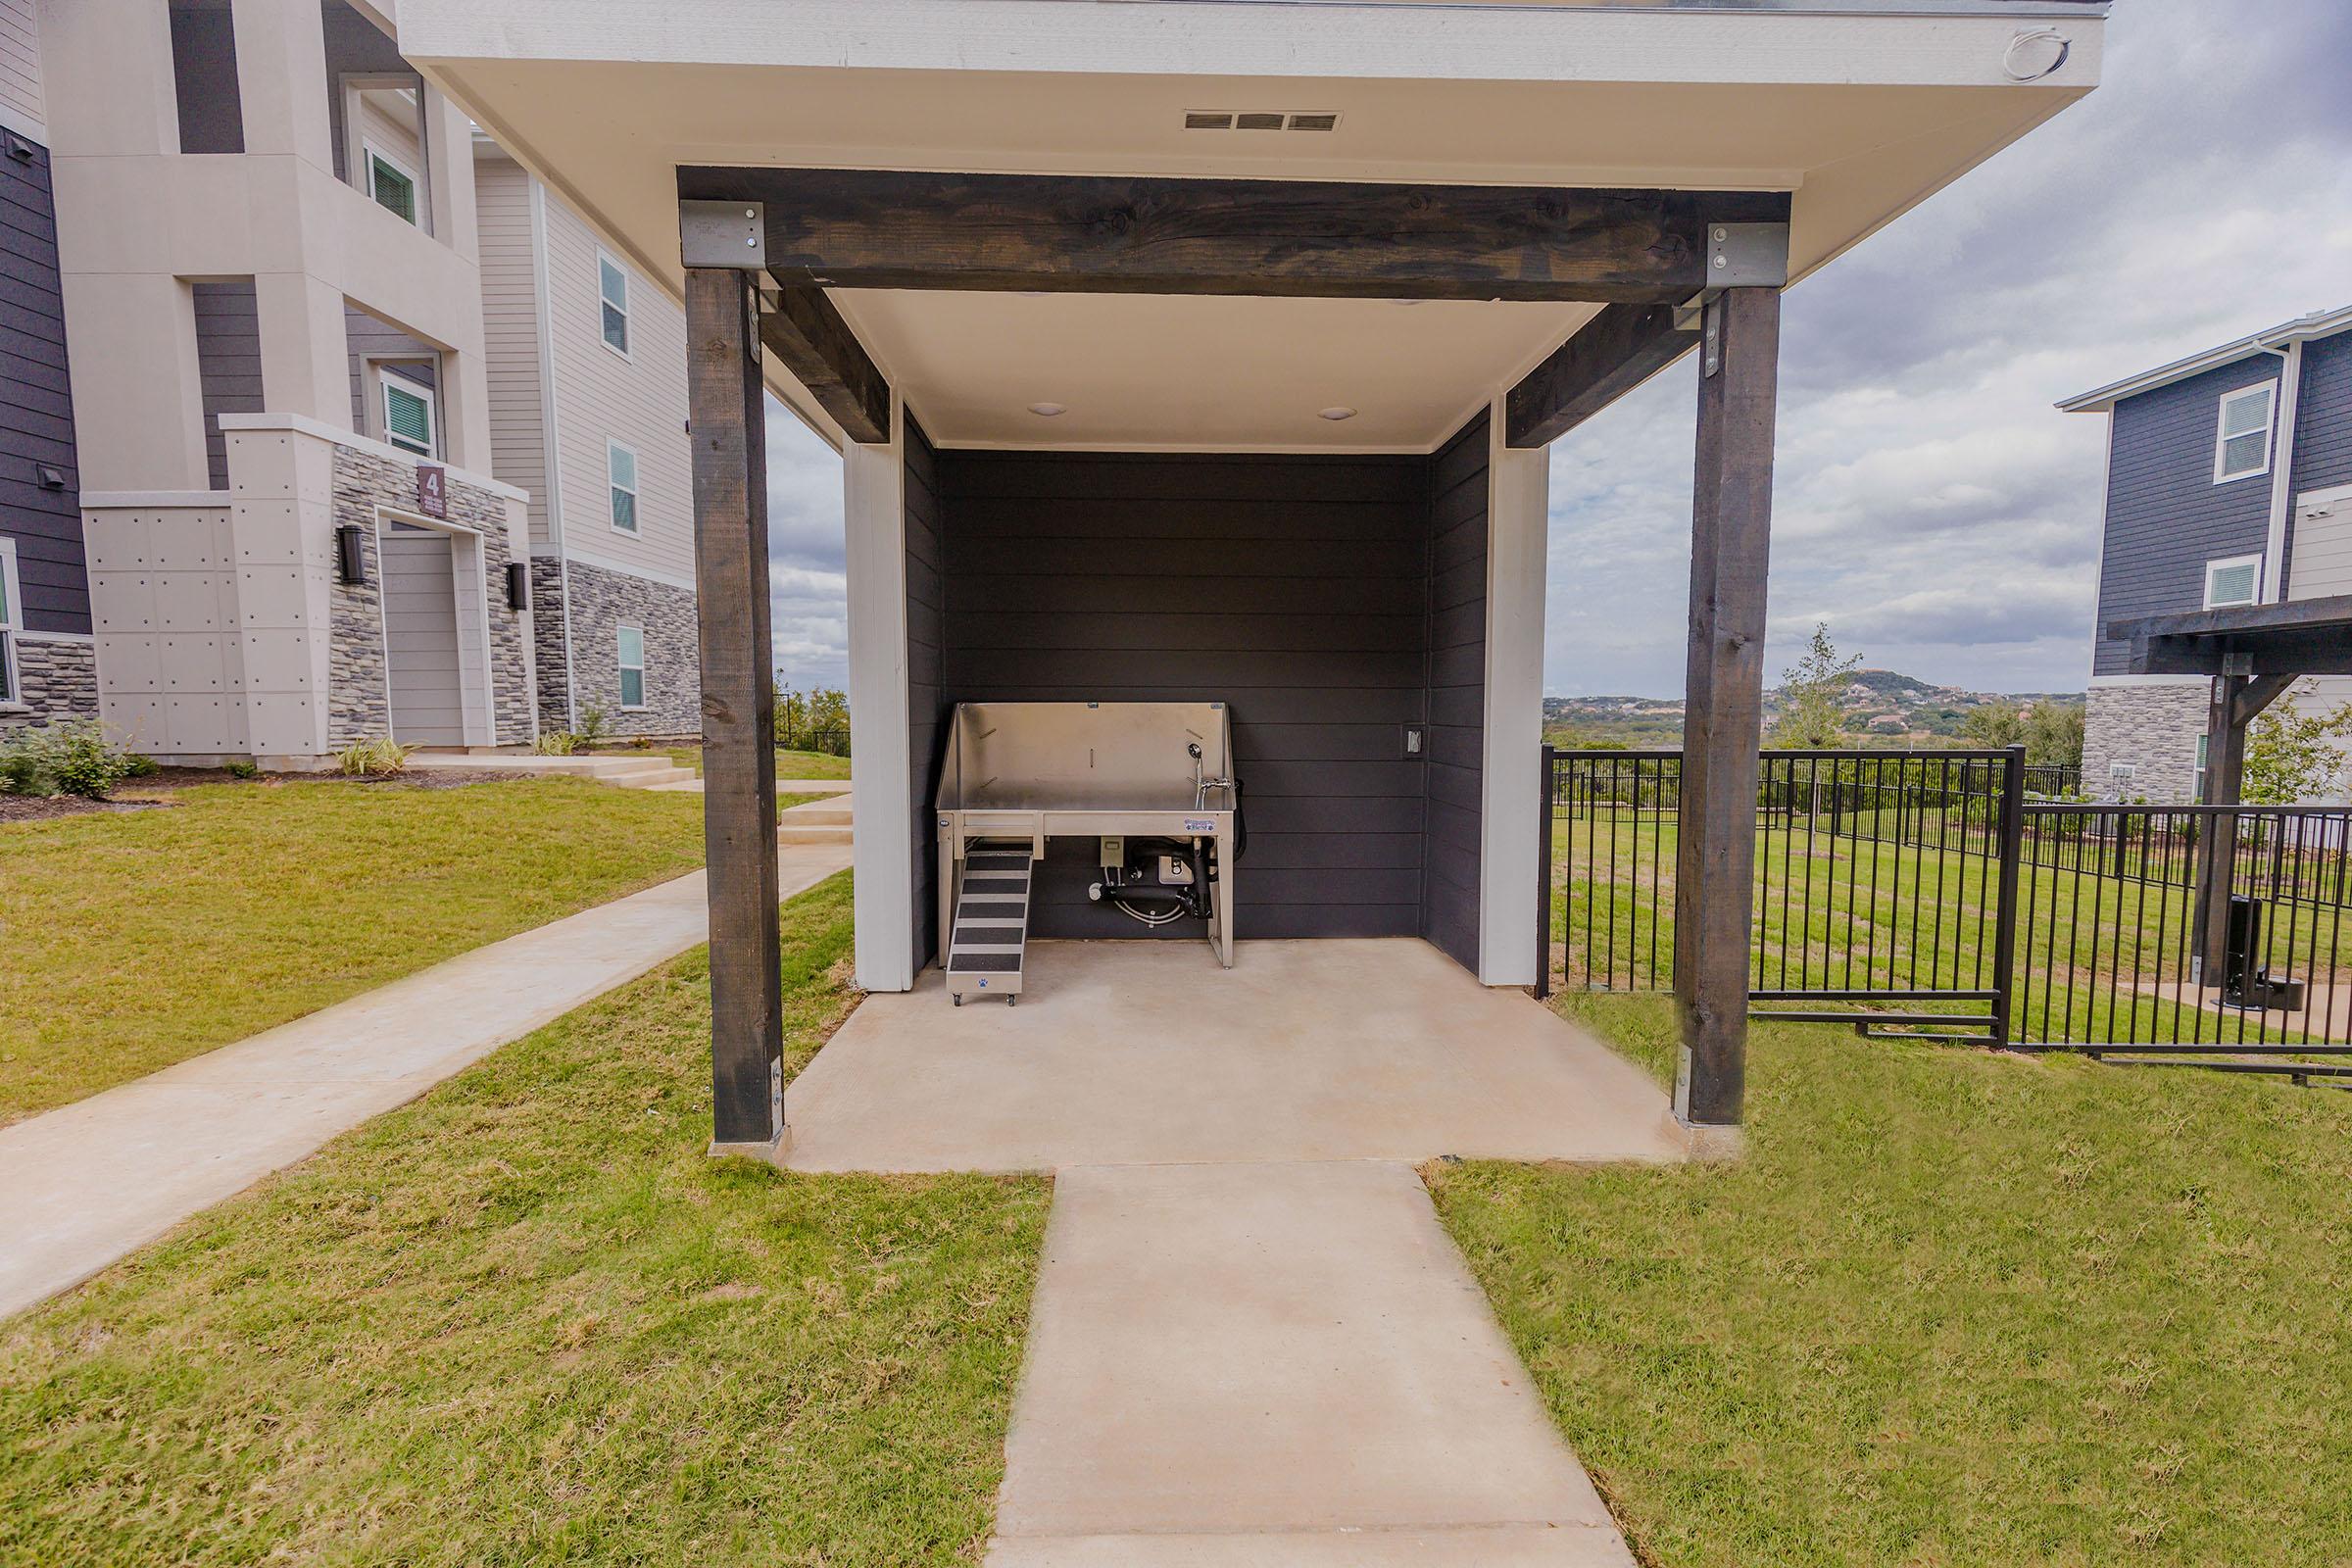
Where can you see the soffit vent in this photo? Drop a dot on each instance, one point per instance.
(1260, 120)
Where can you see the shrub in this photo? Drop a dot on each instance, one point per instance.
(64, 759)
(380, 757)
(592, 728)
(556, 743)
(139, 767)
(242, 767)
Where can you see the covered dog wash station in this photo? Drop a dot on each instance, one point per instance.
(1195, 367)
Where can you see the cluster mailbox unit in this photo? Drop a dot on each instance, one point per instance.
(1152, 781)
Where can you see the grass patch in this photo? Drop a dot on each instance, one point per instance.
(136, 940)
(1954, 1308)
(527, 1320)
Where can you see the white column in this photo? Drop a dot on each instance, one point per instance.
(881, 769)
(1518, 505)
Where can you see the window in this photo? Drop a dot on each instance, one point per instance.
(613, 291)
(632, 666)
(407, 407)
(2236, 580)
(2242, 447)
(11, 621)
(392, 186)
(620, 469)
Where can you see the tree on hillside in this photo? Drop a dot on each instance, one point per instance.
(1812, 716)
(1994, 726)
(2053, 734)
(2291, 755)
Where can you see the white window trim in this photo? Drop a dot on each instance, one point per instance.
(636, 497)
(369, 154)
(12, 623)
(2220, 443)
(385, 376)
(2225, 563)
(643, 659)
(628, 318)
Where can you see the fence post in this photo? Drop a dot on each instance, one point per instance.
(1543, 876)
(2013, 854)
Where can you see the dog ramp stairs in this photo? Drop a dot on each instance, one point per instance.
(991, 935)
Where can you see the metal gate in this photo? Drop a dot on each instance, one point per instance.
(1929, 892)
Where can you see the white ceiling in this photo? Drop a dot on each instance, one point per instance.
(1140, 371)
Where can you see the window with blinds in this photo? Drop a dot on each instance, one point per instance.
(2236, 580)
(621, 473)
(393, 187)
(408, 411)
(632, 665)
(2242, 449)
(613, 291)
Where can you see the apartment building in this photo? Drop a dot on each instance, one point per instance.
(309, 436)
(2229, 485)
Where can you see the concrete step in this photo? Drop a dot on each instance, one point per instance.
(816, 814)
(811, 835)
(652, 779)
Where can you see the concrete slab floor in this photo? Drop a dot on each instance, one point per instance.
(83, 1184)
(1276, 1364)
(1141, 1051)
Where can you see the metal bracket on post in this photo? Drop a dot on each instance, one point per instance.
(724, 234)
(1738, 256)
(1710, 338)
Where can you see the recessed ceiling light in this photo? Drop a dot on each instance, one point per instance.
(1049, 410)
(1337, 413)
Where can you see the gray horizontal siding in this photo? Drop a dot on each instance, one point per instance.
(1457, 653)
(229, 363)
(2166, 517)
(36, 406)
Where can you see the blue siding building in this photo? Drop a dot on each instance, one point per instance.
(2228, 483)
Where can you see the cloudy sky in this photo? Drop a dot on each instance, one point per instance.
(1930, 506)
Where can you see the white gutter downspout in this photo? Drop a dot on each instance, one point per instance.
(2282, 470)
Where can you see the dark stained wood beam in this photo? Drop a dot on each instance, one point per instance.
(1723, 723)
(806, 332)
(884, 228)
(1618, 350)
(2236, 702)
(728, 429)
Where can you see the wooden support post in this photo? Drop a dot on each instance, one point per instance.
(1731, 537)
(2237, 700)
(728, 426)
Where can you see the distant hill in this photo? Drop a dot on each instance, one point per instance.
(1889, 708)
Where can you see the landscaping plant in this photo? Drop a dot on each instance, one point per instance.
(65, 760)
(380, 757)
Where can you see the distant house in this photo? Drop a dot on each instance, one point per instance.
(2228, 483)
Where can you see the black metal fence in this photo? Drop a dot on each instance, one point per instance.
(1933, 890)
(831, 739)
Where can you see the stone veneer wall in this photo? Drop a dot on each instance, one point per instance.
(56, 679)
(601, 600)
(547, 643)
(2155, 729)
(357, 706)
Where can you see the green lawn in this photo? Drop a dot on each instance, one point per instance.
(1952, 1309)
(136, 940)
(788, 764)
(1843, 915)
(528, 1320)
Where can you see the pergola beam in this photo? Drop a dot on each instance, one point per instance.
(1618, 350)
(889, 229)
(807, 333)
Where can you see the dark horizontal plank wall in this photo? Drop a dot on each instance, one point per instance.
(1294, 588)
(1458, 694)
(926, 695)
(2166, 517)
(229, 363)
(37, 404)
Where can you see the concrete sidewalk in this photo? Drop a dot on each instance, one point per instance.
(83, 1184)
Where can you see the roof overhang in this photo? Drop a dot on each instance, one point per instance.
(2300, 637)
(2302, 329)
(1860, 111)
